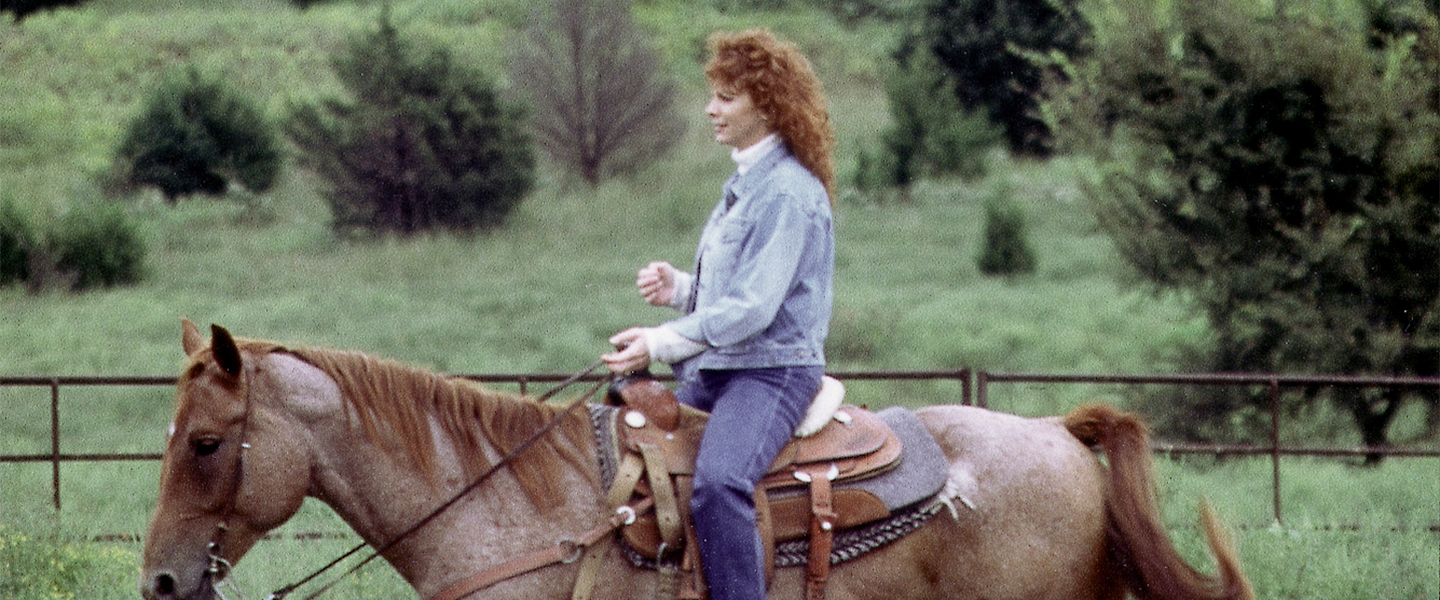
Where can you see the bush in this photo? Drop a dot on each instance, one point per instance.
(99, 245)
(1006, 249)
(1280, 168)
(930, 133)
(426, 143)
(16, 238)
(23, 8)
(93, 245)
(987, 47)
(197, 135)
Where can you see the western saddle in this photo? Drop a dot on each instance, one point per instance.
(659, 440)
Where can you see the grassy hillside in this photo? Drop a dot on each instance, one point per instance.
(544, 293)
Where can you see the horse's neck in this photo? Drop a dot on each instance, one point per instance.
(381, 495)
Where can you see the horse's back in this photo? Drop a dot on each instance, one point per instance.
(1028, 518)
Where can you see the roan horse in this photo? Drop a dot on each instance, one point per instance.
(259, 427)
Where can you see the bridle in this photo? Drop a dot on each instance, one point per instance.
(219, 568)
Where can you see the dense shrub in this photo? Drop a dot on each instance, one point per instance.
(1283, 170)
(424, 142)
(988, 47)
(930, 134)
(93, 245)
(16, 239)
(197, 134)
(1005, 250)
(23, 8)
(99, 246)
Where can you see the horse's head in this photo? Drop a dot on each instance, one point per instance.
(234, 468)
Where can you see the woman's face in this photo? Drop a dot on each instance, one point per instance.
(736, 120)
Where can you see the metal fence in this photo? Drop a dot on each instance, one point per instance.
(975, 388)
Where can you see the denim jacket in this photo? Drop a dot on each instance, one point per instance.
(763, 284)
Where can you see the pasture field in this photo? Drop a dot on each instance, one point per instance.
(543, 293)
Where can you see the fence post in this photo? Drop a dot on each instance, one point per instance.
(982, 392)
(55, 441)
(966, 397)
(1275, 445)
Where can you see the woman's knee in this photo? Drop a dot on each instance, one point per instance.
(714, 491)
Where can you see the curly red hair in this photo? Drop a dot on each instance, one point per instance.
(783, 86)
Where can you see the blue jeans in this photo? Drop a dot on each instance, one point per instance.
(753, 413)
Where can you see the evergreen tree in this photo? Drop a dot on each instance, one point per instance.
(987, 47)
(23, 8)
(196, 134)
(423, 142)
(1006, 249)
(1284, 172)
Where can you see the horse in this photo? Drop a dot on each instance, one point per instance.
(1033, 511)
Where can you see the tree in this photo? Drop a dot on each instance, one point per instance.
(930, 133)
(23, 8)
(1285, 173)
(197, 134)
(986, 45)
(424, 142)
(1006, 250)
(604, 103)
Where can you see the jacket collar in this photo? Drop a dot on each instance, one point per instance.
(742, 185)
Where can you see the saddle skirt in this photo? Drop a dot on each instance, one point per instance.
(879, 470)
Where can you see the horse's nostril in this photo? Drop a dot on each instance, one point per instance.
(164, 586)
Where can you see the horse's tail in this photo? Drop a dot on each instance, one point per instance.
(1139, 548)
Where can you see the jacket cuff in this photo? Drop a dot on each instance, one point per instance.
(669, 347)
(683, 283)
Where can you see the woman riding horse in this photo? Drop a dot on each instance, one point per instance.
(750, 345)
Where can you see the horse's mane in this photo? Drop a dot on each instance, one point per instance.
(395, 404)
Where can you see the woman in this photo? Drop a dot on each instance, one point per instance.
(749, 348)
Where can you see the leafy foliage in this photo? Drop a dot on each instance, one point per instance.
(16, 239)
(197, 134)
(425, 143)
(1283, 171)
(100, 246)
(930, 134)
(604, 103)
(986, 45)
(1006, 250)
(23, 8)
(93, 245)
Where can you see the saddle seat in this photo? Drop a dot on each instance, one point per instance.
(795, 499)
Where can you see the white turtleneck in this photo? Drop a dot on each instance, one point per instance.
(744, 159)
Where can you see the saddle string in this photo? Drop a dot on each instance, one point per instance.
(282, 592)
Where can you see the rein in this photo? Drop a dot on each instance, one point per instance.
(219, 567)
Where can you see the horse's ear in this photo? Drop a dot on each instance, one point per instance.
(226, 352)
(190, 338)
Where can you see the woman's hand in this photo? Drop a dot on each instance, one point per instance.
(657, 283)
(632, 354)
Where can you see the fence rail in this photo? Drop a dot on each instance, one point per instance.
(975, 387)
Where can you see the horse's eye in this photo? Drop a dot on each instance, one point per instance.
(206, 446)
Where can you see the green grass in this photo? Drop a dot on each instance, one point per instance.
(543, 293)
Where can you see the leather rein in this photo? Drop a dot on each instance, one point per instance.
(566, 551)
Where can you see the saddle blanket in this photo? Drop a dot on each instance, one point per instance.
(910, 491)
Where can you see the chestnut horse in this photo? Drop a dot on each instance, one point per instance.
(259, 427)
